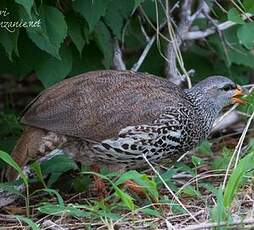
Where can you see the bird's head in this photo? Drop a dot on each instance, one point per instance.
(219, 91)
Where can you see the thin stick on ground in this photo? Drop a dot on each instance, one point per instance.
(167, 187)
(238, 223)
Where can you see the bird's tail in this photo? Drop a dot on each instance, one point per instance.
(25, 150)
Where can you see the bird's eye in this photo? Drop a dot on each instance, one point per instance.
(229, 87)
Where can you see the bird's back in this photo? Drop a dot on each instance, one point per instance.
(97, 105)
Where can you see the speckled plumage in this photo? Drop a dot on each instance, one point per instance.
(113, 117)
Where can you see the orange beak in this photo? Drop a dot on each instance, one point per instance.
(237, 95)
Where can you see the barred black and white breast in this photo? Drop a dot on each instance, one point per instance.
(168, 137)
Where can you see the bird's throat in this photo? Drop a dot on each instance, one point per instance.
(207, 111)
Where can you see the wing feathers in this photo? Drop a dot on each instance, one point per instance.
(97, 105)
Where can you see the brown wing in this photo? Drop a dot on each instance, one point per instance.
(96, 105)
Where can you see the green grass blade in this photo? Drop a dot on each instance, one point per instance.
(245, 164)
(8, 159)
(58, 196)
(28, 221)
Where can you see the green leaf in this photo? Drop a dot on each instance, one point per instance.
(58, 196)
(175, 206)
(76, 29)
(245, 35)
(91, 10)
(51, 70)
(8, 159)
(191, 191)
(59, 163)
(57, 166)
(137, 3)
(51, 209)
(126, 199)
(37, 169)
(167, 177)
(248, 108)
(218, 213)
(27, 4)
(51, 32)
(234, 16)
(151, 212)
(204, 147)
(222, 161)
(104, 42)
(236, 53)
(9, 41)
(196, 161)
(126, 7)
(73, 211)
(81, 183)
(88, 61)
(108, 214)
(114, 18)
(249, 6)
(28, 221)
(241, 56)
(142, 180)
(152, 12)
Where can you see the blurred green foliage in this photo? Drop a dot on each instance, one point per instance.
(76, 36)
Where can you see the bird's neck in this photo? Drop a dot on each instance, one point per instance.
(207, 110)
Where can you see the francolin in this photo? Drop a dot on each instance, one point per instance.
(112, 118)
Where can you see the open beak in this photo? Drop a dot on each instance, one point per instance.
(237, 95)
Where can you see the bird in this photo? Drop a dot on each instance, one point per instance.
(115, 118)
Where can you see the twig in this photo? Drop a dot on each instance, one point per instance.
(118, 62)
(240, 9)
(176, 41)
(151, 40)
(224, 115)
(202, 34)
(141, 59)
(167, 187)
(175, 6)
(199, 177)
(143, 29)
(184, 155)
(220, 33)
(169, 225)
(221, 224)
(229, 119)
(48, 224)
(173, 49)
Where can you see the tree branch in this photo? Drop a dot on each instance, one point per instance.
(150, 42)
(202, 34)
(141, 59)
(173, 46)
(118, 62)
